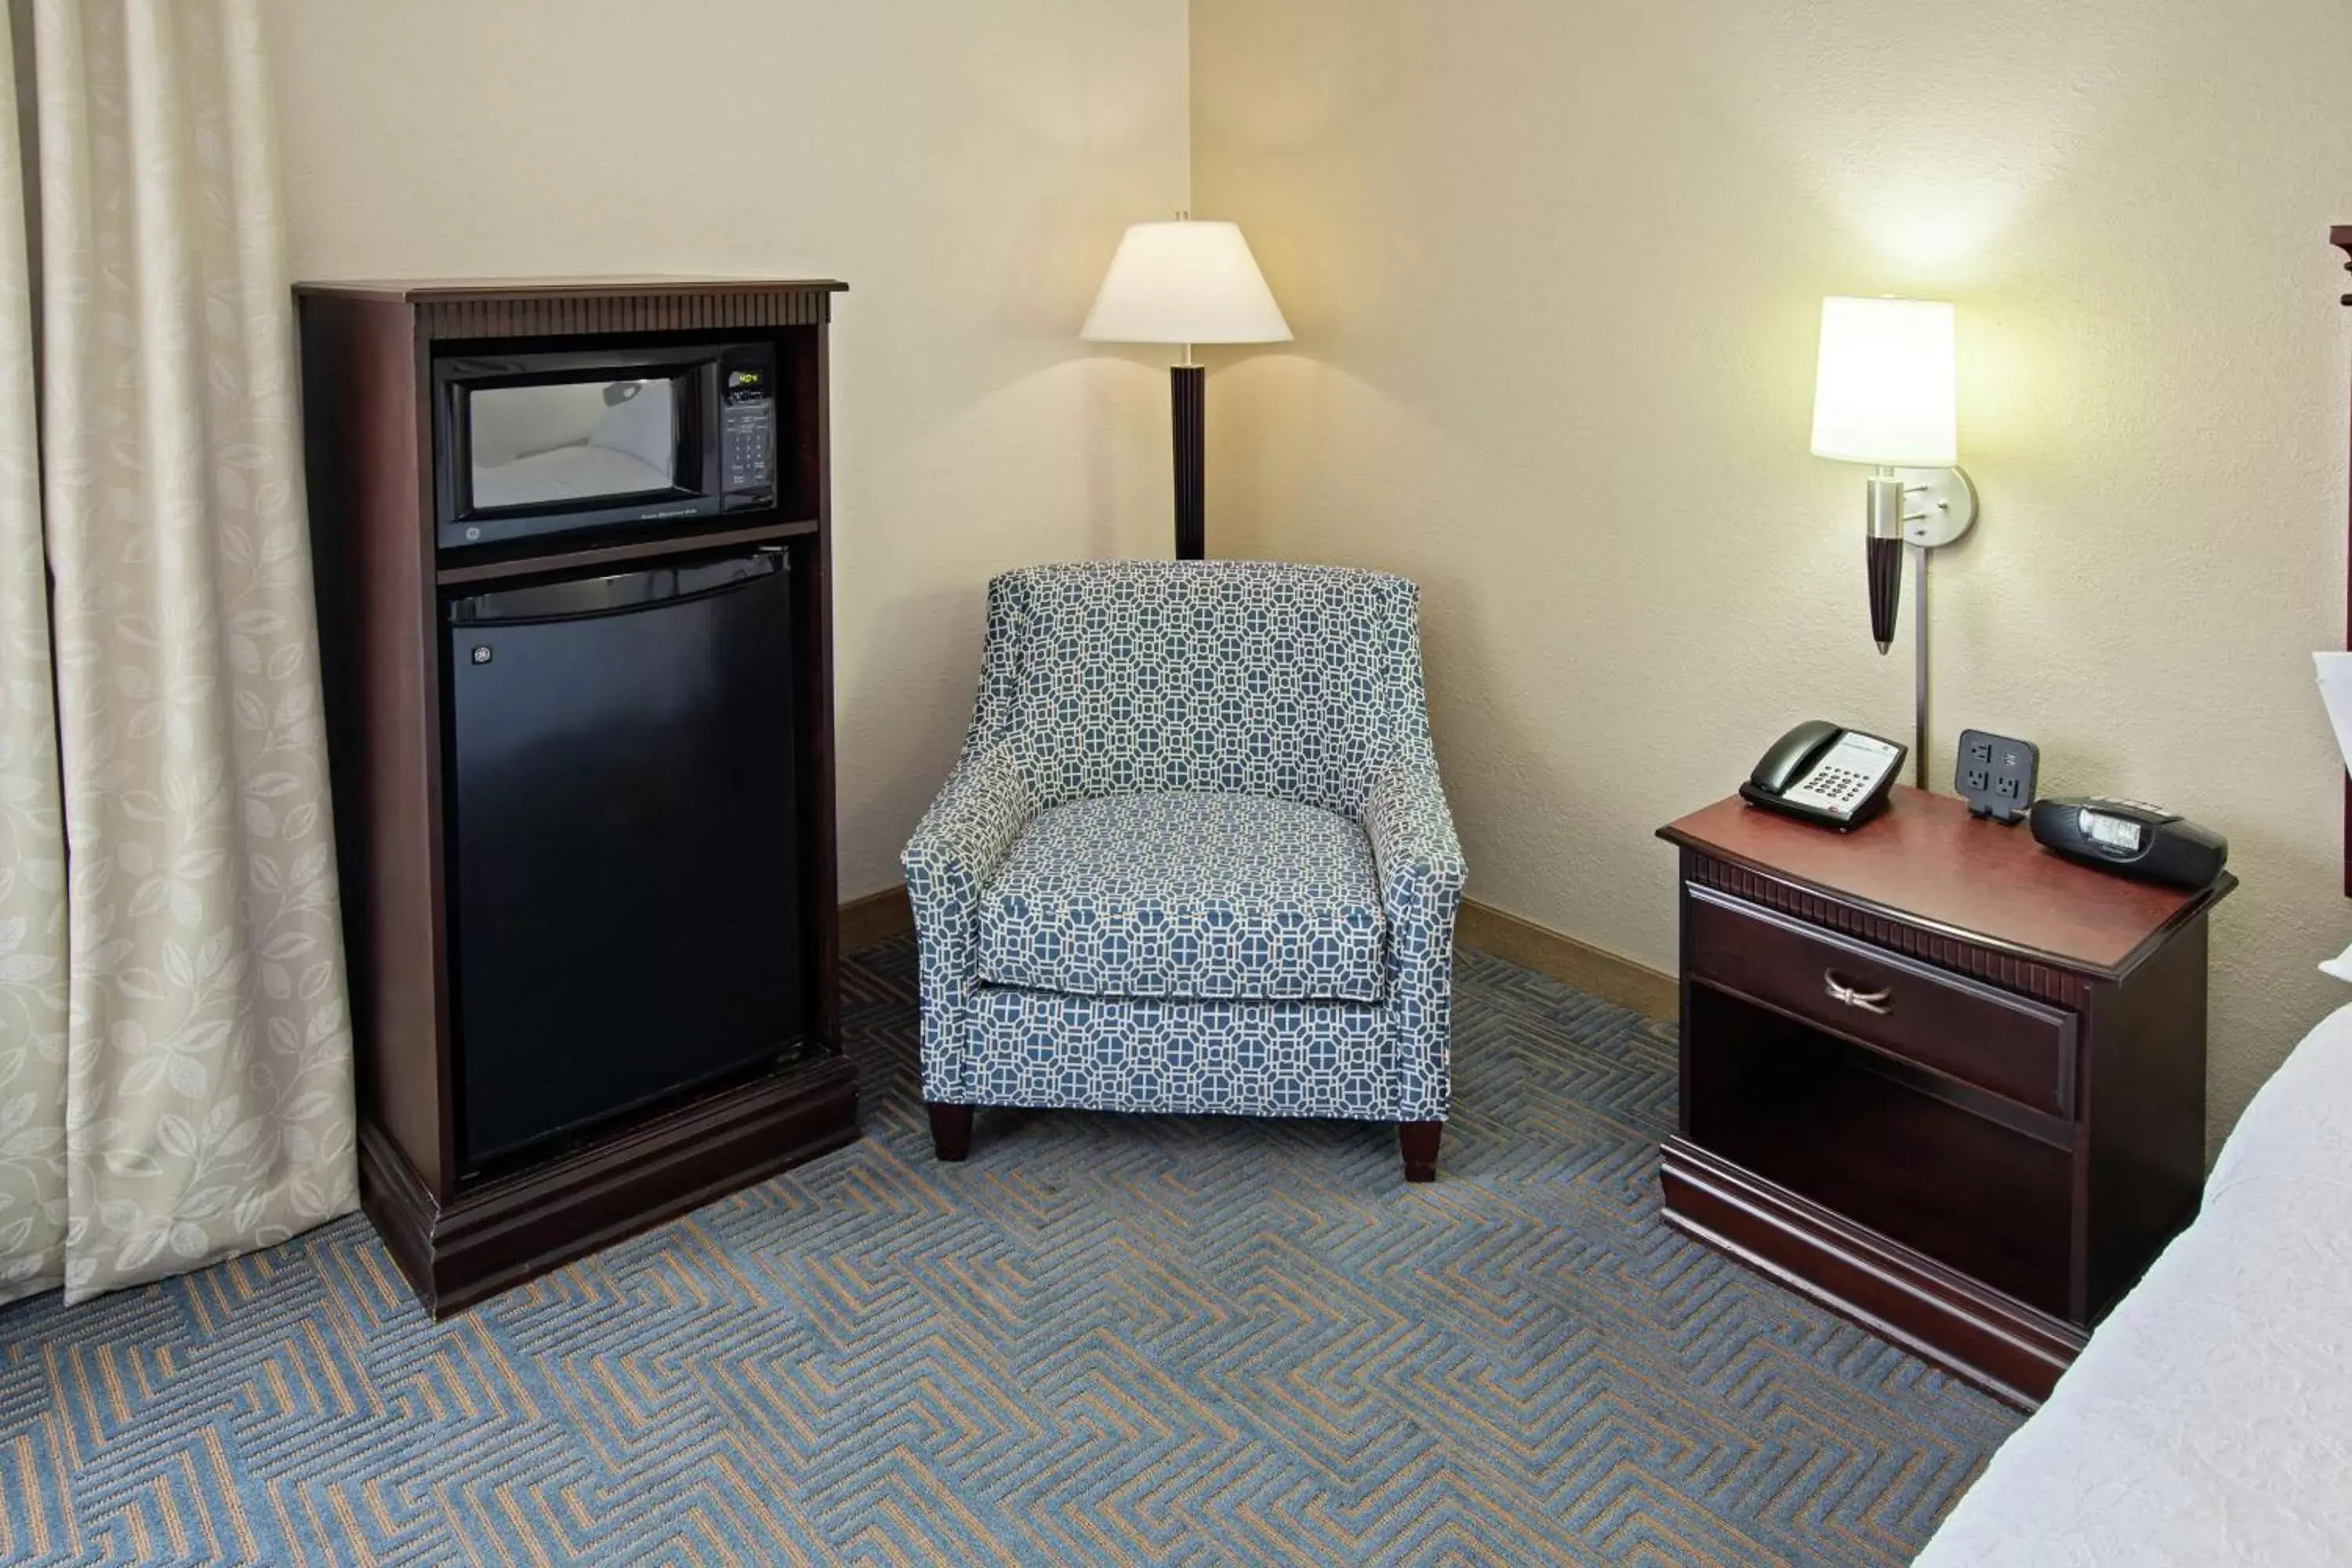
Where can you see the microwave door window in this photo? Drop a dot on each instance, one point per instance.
(560, 443)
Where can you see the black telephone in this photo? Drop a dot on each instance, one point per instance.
(1819, 773)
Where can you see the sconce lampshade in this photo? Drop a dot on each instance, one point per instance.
(1184, 282)
(1884, 393)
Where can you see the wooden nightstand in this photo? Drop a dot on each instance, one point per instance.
(1936, 1078)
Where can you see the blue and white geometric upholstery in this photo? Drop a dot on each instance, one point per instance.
(1194, 856)
(1187, 894)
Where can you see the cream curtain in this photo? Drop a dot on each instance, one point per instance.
(32, 833)
(205, 1103)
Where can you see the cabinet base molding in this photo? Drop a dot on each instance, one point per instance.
(2003, 1346)
(500, 1230)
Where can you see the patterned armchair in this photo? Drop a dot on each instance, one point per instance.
(1194, 857)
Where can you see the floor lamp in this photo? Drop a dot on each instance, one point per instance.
(1185, 282)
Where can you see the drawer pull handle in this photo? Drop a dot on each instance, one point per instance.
(1868, 1001)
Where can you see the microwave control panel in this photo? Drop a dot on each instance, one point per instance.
(746, 430)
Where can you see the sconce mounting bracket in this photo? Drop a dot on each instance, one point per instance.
(1939, 505)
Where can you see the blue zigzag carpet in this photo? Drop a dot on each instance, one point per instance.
(1104, 1339)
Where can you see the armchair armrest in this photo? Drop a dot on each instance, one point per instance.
(1419, 857)
(1422, 871)
(961, 840)
(964, 837)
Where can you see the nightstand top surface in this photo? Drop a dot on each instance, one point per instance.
(1927, 861)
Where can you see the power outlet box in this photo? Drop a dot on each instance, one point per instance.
(1995, 775)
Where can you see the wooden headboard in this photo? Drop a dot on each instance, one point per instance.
(2341, 235)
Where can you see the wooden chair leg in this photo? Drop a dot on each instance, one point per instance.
(951, 1130)
(1417, 1142)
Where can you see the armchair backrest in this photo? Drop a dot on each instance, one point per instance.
(1245, 676)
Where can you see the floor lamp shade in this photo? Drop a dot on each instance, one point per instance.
(1185, 282)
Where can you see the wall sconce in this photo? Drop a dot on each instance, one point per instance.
(1884, 393)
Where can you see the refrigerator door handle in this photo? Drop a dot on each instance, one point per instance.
(579, 598)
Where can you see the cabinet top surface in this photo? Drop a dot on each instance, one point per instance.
(1927, 861)
(434, 289)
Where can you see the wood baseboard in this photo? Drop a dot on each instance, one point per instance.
(1591, 969)
(866, 921)
(871, 919)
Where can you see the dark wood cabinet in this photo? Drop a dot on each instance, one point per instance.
(457, 1230)
(1935, 1076)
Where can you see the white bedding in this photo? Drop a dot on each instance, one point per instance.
(2209, 1419)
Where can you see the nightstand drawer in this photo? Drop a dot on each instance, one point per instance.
(2006, 1045)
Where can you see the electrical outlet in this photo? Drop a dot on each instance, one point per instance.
(1995, 775)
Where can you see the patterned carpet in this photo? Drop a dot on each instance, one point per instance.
(1103, 1340)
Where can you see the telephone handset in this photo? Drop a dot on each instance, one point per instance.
(1821, 773)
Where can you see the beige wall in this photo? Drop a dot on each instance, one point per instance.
(1555, 270)
(966, 169)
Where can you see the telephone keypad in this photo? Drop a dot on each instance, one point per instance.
(1839, 783)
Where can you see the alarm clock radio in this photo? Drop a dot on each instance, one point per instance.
(2132, 837)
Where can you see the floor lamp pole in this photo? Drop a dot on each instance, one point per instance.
(1186, 397)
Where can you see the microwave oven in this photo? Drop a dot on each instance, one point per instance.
(527, 445)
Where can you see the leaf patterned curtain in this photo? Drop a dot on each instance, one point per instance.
(32, 832)
(202, 1104)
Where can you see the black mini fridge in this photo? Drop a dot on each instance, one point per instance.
(622, 842)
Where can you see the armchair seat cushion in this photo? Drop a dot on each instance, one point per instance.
(1187, 895)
